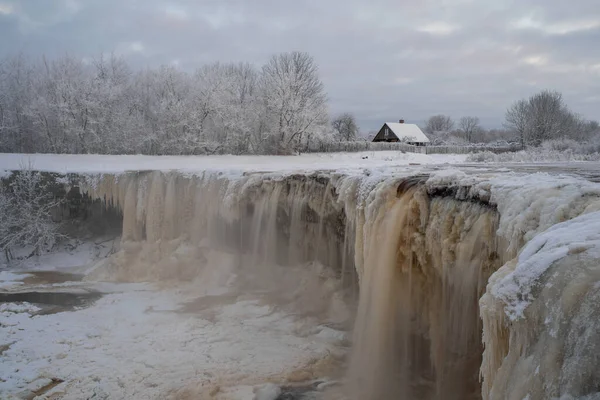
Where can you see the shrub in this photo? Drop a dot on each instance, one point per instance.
(26, 213)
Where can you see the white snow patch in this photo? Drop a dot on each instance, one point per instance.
(72, 255)
(18, 308)
(446, 177)
(580, 235)
(10, 279)
(130, 344)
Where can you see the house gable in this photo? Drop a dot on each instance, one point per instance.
(401, 132)
(385, 134)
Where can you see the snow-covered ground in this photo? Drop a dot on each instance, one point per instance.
(73, 255)
(143, 343)
(65, 163)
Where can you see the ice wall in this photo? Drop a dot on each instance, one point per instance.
(421, 249)
(540, 309)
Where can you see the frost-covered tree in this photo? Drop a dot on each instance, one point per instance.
(469, 126)
(439, 123)
(66, 105)
(548, 117)
(26, 213)
(517, 120)
(295, 100)
(345, 127)
(545, 116)
(225, 105)
(16, 131)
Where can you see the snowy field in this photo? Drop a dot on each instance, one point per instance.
(65, 163)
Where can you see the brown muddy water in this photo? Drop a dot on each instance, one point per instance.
(53, 302)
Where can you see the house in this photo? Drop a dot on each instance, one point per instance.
(401, 132)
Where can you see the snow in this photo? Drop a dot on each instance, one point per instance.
(17, 308)
(579, 235)
(76, 256)
(10, 279)
(131, 344)
(446, 177)
(528, 203)
(67, 163)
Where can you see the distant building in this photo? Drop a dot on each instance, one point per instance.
(401, 132)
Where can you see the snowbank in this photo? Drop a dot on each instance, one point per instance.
(580, 235)
(533, 155)
(66, 163)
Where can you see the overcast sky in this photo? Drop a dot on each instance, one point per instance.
(380, 59)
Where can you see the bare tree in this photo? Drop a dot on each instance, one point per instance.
(26, 206)
(543, 116)
(294, 95)
(549, 117)
(439, 123)
(345, 127)
(469, 126)
(517, 120)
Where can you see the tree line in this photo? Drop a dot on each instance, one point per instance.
(529, 122)
(103, 106)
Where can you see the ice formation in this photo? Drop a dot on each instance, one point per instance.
(420, 250)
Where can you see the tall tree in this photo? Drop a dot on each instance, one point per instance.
(542, 117)
(345, 127)
(469, 126)
(517, 120)
(439, 123)
(295, 96)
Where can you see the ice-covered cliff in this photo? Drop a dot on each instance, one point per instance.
(460, 276)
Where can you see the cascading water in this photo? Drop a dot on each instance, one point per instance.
(417, 333)
(420, 256)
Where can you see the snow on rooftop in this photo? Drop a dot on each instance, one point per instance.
(408, 132)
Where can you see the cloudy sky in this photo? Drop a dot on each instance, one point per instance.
(380, 59)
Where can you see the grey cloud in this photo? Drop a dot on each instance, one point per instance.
(381, 59)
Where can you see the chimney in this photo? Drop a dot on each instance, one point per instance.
(401, 121)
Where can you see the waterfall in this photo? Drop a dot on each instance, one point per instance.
(408, 257)
(417, 332)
